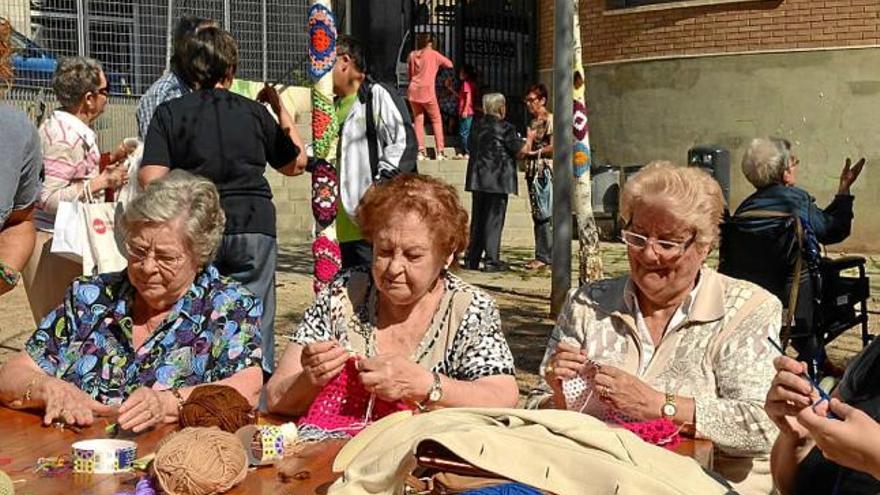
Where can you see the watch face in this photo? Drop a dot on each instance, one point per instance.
(435, 395)
(669, 410)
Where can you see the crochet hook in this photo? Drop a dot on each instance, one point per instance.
(822, 395)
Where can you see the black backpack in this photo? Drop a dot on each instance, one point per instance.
(409, 160)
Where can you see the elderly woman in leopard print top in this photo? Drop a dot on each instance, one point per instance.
(673, 338)
(427, 337)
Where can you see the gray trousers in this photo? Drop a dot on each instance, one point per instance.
(488, 211)
(250, 259)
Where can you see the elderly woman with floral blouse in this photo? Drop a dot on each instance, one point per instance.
(673, 338)
(134, 344)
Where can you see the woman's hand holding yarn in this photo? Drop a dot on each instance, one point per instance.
(628, 394)
(393, 377)
(145, 408)
(789, 394)
(66, 402)
(567, 362)
(322, 361)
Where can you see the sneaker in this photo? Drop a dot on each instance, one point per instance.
(495, 267)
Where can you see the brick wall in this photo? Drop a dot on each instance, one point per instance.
(737, 27)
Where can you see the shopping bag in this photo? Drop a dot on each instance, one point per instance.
(102, 247)
(66, 240)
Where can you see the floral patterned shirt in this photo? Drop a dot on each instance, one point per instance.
(211, 333)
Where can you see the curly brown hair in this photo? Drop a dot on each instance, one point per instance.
(6, 74)
(432, 199)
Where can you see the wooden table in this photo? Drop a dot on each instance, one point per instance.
(23, 440)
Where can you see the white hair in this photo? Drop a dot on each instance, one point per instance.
(494, 104)
(182, 195)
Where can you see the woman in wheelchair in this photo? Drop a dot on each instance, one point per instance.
(824, 447)
(772, 168)
(783, 223)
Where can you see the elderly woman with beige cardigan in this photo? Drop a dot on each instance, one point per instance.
(673, 338)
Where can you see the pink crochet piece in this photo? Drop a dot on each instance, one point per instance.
(340, 408)
(661, 432)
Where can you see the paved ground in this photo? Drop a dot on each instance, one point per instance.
(523, 299)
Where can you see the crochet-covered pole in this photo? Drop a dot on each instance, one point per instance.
(325, 131)
(588, 235)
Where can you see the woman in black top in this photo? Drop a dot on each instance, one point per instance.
(815, 453)
(228, 138)
(491, 175)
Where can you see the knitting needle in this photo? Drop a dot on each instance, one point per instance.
(822, 395)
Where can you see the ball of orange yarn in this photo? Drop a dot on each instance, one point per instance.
(199, 461)
(216, 405)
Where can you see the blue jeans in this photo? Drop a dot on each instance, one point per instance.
(464, 131)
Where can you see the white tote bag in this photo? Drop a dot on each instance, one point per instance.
(102, 249)
(66, 240)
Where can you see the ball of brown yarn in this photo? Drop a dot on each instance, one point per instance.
(199, 461)
(216, 405)
(6, 487)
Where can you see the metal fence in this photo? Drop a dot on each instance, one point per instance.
(132, 40)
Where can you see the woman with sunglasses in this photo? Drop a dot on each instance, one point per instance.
(71, 160)
(673, 338)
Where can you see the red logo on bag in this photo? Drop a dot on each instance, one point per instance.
(99, 226)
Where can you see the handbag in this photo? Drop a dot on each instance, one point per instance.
(543, 187)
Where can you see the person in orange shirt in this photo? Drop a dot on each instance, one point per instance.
(423, 66)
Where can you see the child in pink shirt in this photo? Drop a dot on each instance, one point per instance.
(423, 66)
(466, 97)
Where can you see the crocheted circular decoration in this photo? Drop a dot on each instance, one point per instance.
(340, 408)
(325, 191)
(580, 121)
(581, 159)
(325, 127)
(328, 261)
(322, 40)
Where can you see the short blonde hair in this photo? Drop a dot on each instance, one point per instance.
(191, 198)
(693, 196)
(493, 103)
(765, 161)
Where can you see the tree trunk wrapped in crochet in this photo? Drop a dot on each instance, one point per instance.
(325, 132)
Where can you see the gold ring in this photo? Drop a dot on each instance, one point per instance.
(548, 370)
(604, 391)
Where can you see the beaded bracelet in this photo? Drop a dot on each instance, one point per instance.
(9, 275)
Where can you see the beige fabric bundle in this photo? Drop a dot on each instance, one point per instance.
(562, 452)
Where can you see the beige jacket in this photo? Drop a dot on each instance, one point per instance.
(561, 452)
(718, 354)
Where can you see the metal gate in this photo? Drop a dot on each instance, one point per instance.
(497, 37)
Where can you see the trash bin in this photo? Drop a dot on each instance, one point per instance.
(605, 190)
(715, 160)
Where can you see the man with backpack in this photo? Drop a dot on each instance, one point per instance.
(376, 142)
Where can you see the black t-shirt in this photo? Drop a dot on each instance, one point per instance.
(228, 139)
(859, 388)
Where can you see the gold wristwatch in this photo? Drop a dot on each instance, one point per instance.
(669, 408)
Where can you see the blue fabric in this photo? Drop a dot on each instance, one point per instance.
(508, 489)
(211, 333)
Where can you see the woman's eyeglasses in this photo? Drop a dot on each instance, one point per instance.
(663, 248)
(139, 254)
